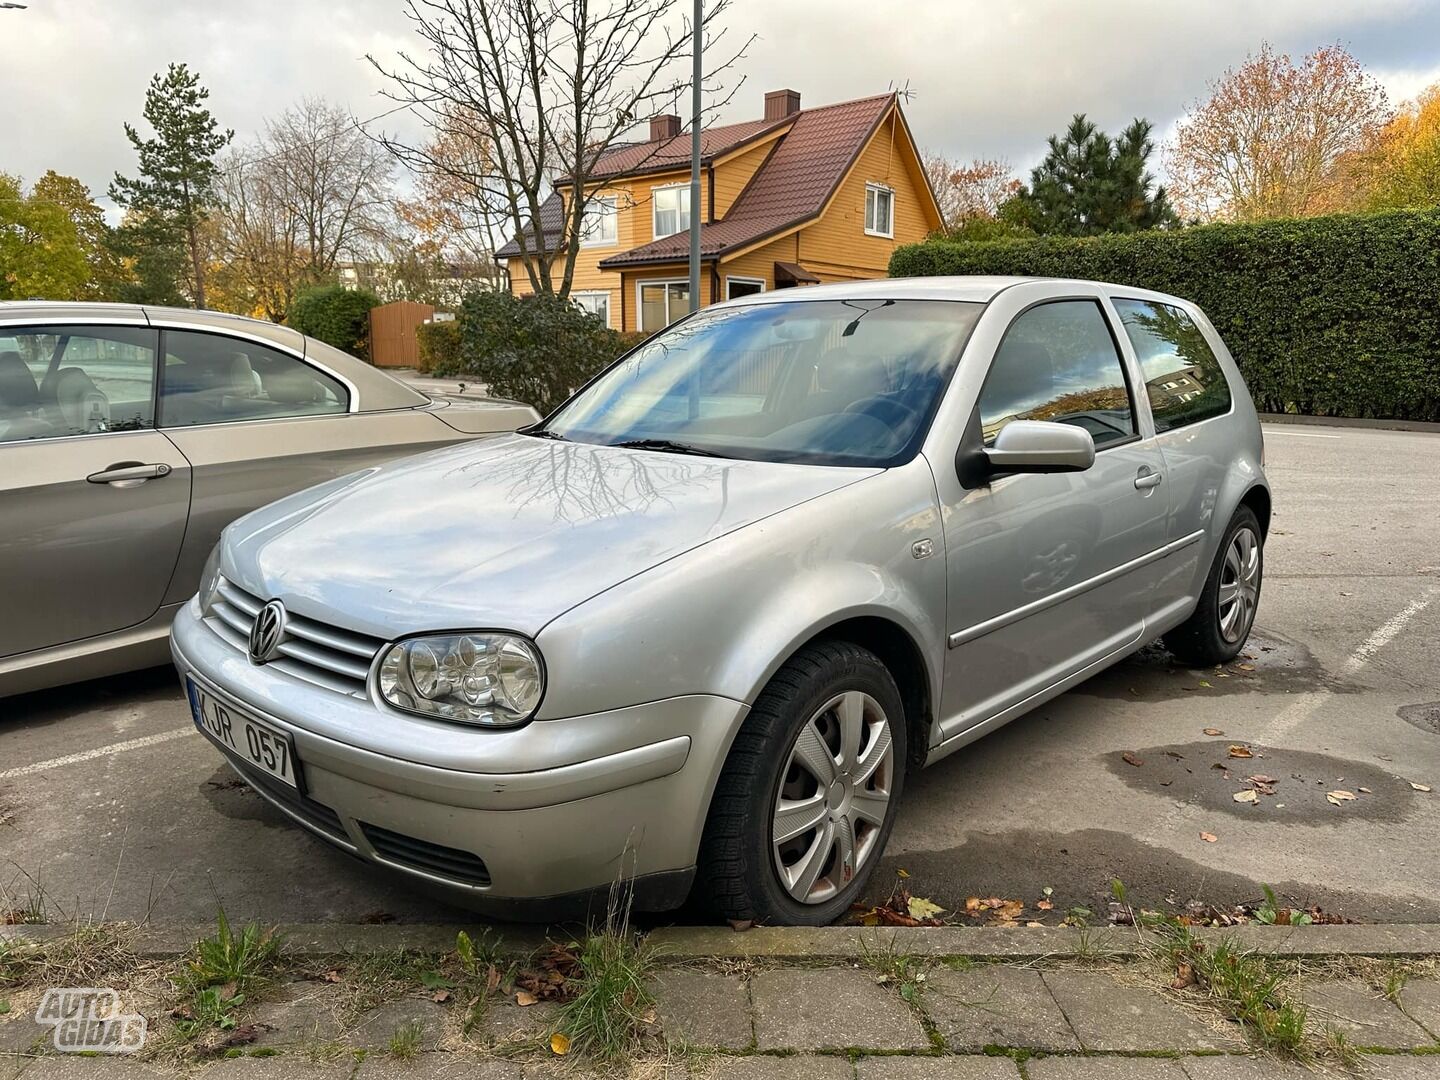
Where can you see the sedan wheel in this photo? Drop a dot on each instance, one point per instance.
(834, 798)
(1216, 631)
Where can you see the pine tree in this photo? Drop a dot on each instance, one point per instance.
(1090, 184)
(176, 186)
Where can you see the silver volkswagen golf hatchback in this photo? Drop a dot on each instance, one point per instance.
(695, 628)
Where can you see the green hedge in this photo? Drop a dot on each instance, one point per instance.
(337, 316)
(1329, 316)
(439, 345)
(535, 349)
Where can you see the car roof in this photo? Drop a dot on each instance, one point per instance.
(976, 289)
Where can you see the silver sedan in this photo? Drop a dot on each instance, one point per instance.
(130, 436)
(696, 628)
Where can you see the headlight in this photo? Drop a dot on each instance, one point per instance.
(495, 680)
(210, 580)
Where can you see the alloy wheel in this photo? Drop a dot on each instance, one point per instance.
(834, 797)
(1239, 585)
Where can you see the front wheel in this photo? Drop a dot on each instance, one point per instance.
(1217, 630)
(807, 798)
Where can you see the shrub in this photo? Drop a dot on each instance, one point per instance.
(337, 316)
(1330, 316)
(535, 349)
(439, 345)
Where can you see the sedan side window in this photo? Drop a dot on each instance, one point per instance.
(58, 381)
(214, 379)
(1183, 379)
(1059, 362)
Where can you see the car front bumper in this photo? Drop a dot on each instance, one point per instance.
(539, 817)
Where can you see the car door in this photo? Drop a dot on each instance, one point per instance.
(257, 422)
(94, 499)
(1050, 574)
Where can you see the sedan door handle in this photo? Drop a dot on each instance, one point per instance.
(1148, 477)
(129, 474)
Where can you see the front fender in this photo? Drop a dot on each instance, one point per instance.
(722, 618)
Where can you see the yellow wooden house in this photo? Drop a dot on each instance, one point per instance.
(797, 197)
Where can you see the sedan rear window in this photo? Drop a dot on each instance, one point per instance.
(830, 382)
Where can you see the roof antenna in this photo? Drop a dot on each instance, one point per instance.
(902, 91)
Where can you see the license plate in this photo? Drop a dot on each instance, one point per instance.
(253, 741)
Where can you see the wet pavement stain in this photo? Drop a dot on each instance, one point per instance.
(1079, 866)
(235, 799)
(1270, 663)
(1291, 786)
(1425, 716)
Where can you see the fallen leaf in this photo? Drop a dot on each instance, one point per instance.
(1364, 791)
(1034, 925)
(560, 1043)
(1335, 798)
(1213, 731)
(1044, 905)
(240, 1036)
(1419, 787)
(524, 998)
(1205, 684)
(1249, 795)
(440, 996)
(1184, 976)
(902, 873)
(1131, 759)
(972, 903)
(331, 976)
(920, 908)
(1241, 751)
(1246, 667)
(492, 979)
(1209, 837)
(1261, 778)
(741, 925)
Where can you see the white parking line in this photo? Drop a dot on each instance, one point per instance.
(1303, 707)
(1300, 434)
(102, 751)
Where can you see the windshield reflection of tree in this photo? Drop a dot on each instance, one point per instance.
(1191, 383)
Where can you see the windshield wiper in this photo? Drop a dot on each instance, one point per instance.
(666, 446)
(541, 433)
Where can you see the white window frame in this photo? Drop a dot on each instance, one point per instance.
(613, 217)
(593, 294)
(640, 305)
(872, 205)
(655, 209)
(744, 281)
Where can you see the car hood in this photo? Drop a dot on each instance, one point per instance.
(504, 534)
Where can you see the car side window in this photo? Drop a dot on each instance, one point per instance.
(215, 379)
(1183, 379)
(58, 381)
(1058, 362)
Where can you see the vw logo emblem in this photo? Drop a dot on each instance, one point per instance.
(267, 633)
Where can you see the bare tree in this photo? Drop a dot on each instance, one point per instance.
(259, 236)
(1267, 141)
(973, 189)
(541, 88)
(332, 178)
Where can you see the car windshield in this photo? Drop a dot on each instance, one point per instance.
(826, 382)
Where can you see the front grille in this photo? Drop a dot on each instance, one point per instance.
(316, 815)
(445, 862)
(325, 655)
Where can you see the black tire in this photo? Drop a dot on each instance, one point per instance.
(737, 875)
(1199, 640)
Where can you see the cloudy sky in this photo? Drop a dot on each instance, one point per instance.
(989, 79)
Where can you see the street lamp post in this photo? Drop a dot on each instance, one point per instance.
(695, 214)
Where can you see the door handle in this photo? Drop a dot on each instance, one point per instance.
(128, 474)
(1148, 477)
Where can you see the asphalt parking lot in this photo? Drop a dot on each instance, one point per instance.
(111, 804)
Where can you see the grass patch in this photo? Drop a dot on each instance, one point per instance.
(904, 971)
(405, 1042)
(612, 1009)
(1242, 984)
(90, 955)
(221, 972)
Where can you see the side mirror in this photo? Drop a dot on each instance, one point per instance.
(1040, 446)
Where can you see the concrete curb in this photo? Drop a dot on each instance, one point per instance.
(800, 944)
(1350, 422)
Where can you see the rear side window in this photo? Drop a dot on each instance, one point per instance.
(214, 379)
(1059, 362)
(1183, 380)
(76, 380)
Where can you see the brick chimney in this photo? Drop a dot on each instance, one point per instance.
(781, 103)
(664, 127)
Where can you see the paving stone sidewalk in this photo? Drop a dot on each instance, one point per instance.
(964, 1022)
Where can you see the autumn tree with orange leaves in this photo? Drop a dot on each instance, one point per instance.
(1271, 140)
(968, 190)
(1404, 169)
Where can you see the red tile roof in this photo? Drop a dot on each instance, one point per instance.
(792, 187)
